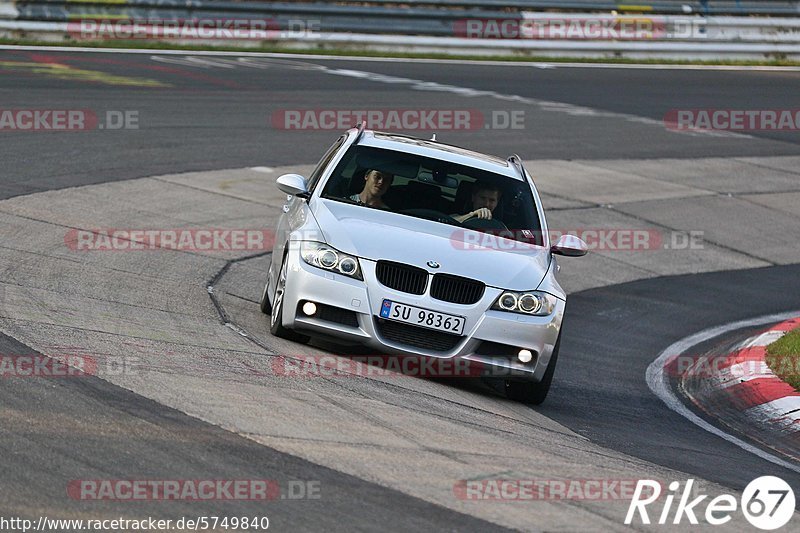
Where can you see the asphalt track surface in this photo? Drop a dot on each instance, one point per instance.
(58, 430)
(204, 117)
(614, 332)
(198, 118)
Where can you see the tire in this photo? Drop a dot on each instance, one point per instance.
(534, 393)
(265, 306)
(276, 315)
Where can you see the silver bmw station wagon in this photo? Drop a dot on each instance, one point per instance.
(418, 248)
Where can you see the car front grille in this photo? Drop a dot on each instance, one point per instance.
(401, 277)
(455, 289)
(423, 338)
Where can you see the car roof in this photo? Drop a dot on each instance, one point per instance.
(438, 150)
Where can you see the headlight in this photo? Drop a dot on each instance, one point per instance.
(527, 303)
(327, 258)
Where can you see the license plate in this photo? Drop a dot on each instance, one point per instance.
(425, 318)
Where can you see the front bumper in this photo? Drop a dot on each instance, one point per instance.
(489, 343)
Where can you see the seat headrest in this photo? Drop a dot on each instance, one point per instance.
(357, 181)
(463, 196)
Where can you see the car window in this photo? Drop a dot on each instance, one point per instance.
(313, 179)
(439, 191)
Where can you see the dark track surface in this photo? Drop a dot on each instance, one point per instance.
(205, 117)
(58, 430)
(212, 118)
(642, 92)
(612, 334)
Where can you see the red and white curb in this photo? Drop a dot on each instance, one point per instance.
(736, 389)
(743, 380)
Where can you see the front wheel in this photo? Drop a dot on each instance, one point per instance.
(265, 306)
(276, 315)
(534, 393)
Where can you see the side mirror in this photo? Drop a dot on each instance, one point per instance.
(293, 184)
(570, 246)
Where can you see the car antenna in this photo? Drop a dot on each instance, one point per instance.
(433, 137)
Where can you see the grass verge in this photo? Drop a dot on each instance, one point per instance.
(783, 357)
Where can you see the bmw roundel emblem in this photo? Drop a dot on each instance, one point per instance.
(433, 264)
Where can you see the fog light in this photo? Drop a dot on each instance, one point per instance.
(525, 356)
(310, 308)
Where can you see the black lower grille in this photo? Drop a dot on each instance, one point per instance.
(495, 349)
(456, 289)
(424, 338)
(333, 314)
(401, 277)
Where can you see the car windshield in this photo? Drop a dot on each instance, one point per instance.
(436, 190)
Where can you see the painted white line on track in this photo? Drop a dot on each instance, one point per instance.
(469, 92)
(544, 105)
(266, 170)
(537, 64)
(422, 85)
(658, 381)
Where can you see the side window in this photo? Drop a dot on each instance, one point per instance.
(324, 162)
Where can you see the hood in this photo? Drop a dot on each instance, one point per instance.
(375, 234)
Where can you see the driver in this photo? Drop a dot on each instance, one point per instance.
(376, 183)
(485, 197)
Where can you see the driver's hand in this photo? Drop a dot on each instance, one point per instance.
(483, 212)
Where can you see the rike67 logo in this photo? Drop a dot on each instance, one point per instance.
(767, 503)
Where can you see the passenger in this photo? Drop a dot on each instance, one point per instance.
(376, 184)
(485, 197)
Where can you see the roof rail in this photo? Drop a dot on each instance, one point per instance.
(516, 162)
(361, 127)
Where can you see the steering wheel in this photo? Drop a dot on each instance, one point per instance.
(430, 214)
(484, 224)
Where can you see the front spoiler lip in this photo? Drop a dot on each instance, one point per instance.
(391, 366)
(488, 366)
